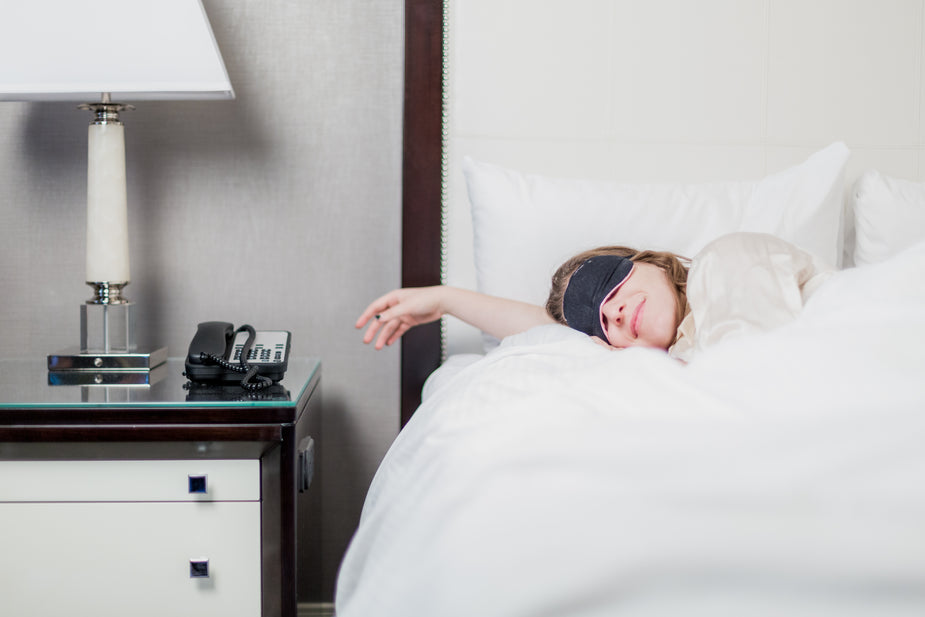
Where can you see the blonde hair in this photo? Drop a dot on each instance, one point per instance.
(674, 266)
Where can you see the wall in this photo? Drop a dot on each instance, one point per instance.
(280, 208)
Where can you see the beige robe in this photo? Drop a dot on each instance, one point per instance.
(744, 283)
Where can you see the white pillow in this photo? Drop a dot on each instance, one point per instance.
(525, 225)
(889, 216)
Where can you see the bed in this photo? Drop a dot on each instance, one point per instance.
(778, 472)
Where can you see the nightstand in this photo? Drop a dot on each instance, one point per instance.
(153, 500)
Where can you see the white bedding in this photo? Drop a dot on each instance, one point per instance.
(778, 473)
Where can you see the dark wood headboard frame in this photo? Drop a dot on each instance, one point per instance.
(422, 182)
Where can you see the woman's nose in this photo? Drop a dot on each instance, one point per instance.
(615, 312)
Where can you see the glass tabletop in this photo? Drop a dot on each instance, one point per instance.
(29, 383)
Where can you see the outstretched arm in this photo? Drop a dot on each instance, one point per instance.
(398, 311)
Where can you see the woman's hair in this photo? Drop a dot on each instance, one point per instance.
(673, 266)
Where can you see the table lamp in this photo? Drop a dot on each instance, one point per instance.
(61, 50)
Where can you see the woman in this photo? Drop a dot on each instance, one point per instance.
(619, 296)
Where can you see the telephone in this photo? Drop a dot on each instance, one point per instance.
(221, 354)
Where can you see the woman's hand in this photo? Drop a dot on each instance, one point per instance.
(400, 310)
(393, 314)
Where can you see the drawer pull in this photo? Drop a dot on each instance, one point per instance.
(198, 484)
(306, 469)
(199, 568)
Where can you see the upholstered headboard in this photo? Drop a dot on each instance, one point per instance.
(639, 91)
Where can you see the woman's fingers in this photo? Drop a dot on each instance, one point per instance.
(400, 332)
(390, 332)
(388, 317)
(371, 331)
(375, 307)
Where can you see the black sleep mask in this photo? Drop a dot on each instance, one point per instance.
(587, 289)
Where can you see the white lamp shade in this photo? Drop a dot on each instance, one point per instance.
(62, 50)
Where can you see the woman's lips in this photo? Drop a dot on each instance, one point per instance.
(637, 318)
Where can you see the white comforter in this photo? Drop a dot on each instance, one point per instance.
(778, 473)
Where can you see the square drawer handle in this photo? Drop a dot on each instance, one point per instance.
(199, 484)
(199, 568)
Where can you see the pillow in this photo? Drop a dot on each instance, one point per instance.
(889, 216)
(525, 225)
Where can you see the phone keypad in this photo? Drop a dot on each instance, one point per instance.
(269, 348)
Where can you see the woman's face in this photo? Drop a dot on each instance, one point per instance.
(643, 311)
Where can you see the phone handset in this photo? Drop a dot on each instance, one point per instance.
(220, 354)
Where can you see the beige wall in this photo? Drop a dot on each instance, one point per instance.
(281, 209)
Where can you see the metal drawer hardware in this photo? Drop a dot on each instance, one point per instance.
(198, 484)
(199, 568)
(306, 465)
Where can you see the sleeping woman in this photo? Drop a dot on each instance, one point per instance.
(618, 295)
(622, 297)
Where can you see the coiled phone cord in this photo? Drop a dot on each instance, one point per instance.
(251, 380)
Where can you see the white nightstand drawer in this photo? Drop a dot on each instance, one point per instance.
(117, 559)
(196, 480)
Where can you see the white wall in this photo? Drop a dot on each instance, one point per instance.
(281, 209)
(677, 90)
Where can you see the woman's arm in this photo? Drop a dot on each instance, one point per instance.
(398, 311)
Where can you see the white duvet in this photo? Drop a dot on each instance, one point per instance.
(778, 473)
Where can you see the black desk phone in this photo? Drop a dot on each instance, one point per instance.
(221, 354)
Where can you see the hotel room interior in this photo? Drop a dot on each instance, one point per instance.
(336, 173)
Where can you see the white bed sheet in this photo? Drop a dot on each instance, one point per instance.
(779, 473)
